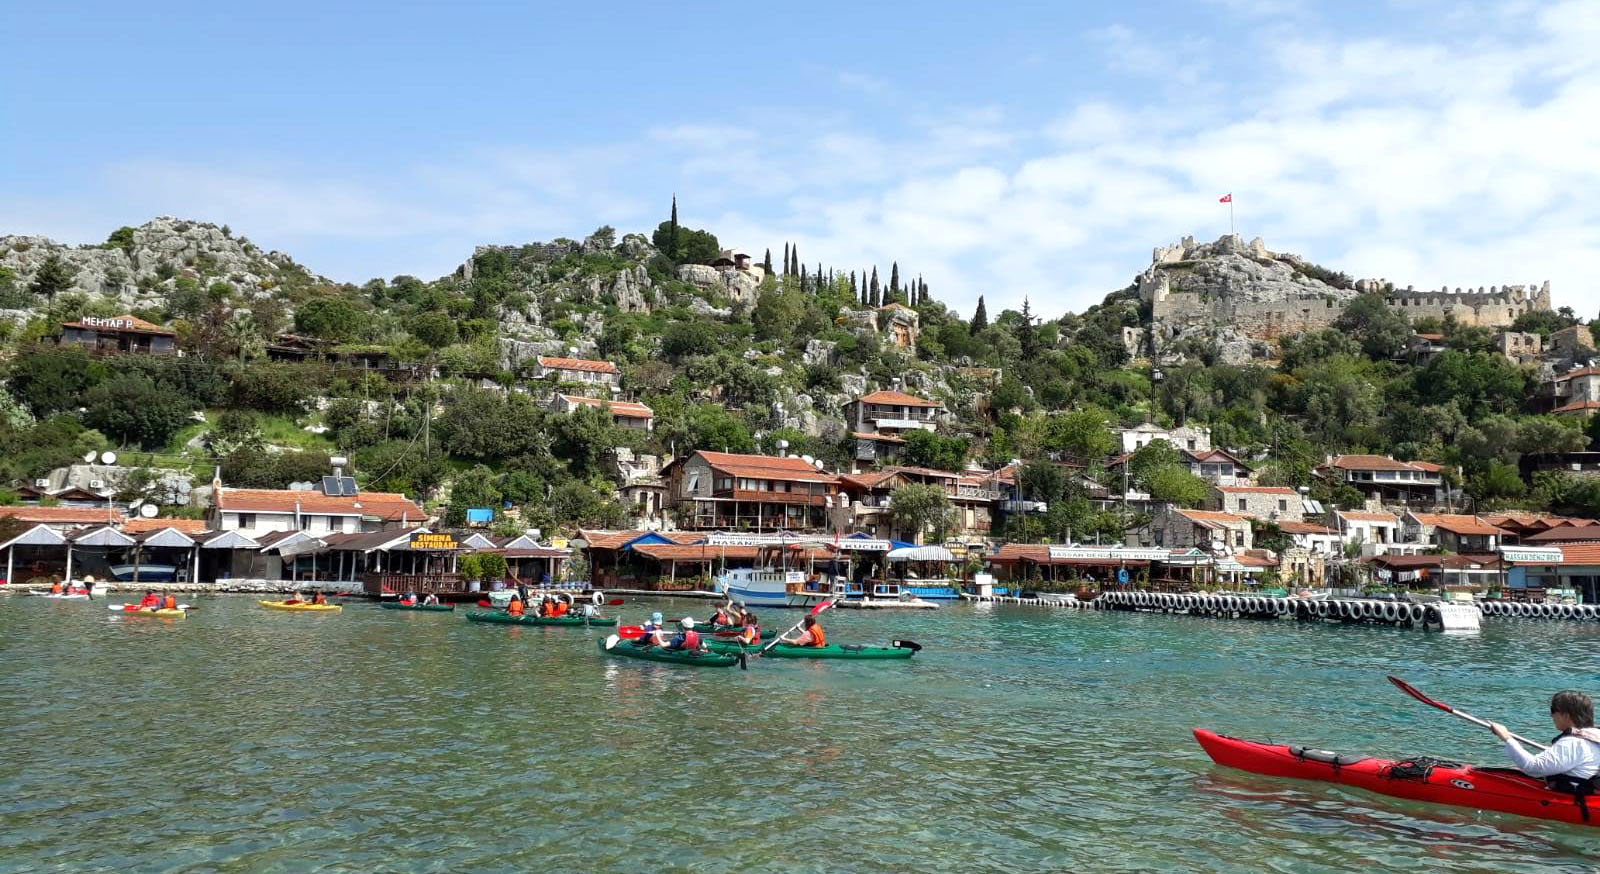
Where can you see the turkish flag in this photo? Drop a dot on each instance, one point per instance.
(1226, 198)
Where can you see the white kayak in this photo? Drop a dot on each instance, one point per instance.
(64, 596)
(135, 608)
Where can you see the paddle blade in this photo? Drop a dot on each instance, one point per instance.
(614, 602)
(630, 632)
(822, 606)
(907, 644)
(744, 661)
(485, 603)
(611, 642)
(1412, 691)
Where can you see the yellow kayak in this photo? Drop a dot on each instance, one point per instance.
(302, 607)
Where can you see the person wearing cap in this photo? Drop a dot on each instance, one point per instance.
(651, 632)
(687, 639)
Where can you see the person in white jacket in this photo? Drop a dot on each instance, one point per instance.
(1574, 754)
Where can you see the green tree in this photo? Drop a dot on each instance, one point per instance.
(1083, 434)
(52, 380)
(1497, 481)
(235, 430)
(476, 487)
(53, 277)
(436, 330)
(334, 319)
(1382, 332)
(1482, 383)
(1171, 484)
(980, 317)
(686, 246)
(712, 427)
(584, 439)
(920, 509)
(132, 409)
(1544, 322)
(927, 449)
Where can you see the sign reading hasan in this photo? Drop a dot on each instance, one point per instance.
(434, 542)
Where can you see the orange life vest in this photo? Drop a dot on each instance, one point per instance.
(817, 637)
(515, 608)
(55, 588)
(170, 604)
(749, 634)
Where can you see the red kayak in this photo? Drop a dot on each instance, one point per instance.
(1506, 790)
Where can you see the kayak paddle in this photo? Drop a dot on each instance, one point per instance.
(906, 644)
(792, 629)
(1413, 692)
(611, 642)
(614, 602)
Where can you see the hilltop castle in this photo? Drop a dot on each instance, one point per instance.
(1245, 290)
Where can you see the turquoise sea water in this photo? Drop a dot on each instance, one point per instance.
(1020, 739)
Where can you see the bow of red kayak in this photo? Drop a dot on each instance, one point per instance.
(1499, 789)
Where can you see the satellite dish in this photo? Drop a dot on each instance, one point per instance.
(808, 459)
(148, 511)
(108, 457)
(819, 464)
(90, 456)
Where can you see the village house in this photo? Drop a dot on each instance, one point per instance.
(1313, 537)
(1183, 437)
(576, 370)
(119, 334)
(1521, 347)
(1264, 503)
(624, 414)
(1452, 532)
(1176, 528)
(971, 496)
(733, 492)
(1520, 526)
(1584, 463)
(1572, 342)
(880, 418)
(1374, 532)
(1385, 481)
(327, 510)
(1574, 393)
(1422, 348)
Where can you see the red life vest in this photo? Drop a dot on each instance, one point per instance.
(691, 640)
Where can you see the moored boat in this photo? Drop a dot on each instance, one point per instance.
(144, 573)
(423, 608)
(1505, 790)
(761, 587)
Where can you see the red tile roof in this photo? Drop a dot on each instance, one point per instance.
(1565, 534)
(896, 398)
(1577, 406)
(789, 468)
(1364, 516)
(1304, 528)
(584, 365)
(1582, 371)
(1581, 554)
(388, 506)
(1212, 518)
(139, 525)
(62, 515)
(1457, 523)
(129, 324)
(1374, 462)
(625, 409)
(1258, 490)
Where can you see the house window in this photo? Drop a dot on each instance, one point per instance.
(247, 520)
(1238, 538)
(1242, 504)
(305, 522)
(1191, 443)
(1283, 505)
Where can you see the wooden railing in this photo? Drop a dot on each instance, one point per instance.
(422, 584)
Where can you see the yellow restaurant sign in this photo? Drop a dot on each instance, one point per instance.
(429, 541)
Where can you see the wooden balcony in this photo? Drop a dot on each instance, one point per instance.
(422, 584)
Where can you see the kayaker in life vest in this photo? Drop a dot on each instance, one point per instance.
(318, 598)
(810, 634)
(516, 608)
(432, 600)
(150, 601)
(409, 599)
(1573, 758)
(687, 639)
(170, 602)
(651, 633)
(749, 632)
(55, 587)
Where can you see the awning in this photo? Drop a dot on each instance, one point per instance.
(921, 553)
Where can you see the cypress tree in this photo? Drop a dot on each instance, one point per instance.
(876, 292)
(786, 258)
(980, 317)
(802, 277)
(766, 263)
(1027, 338)
(672, 231)
(894, 280)
(819, 277)
(855, 290)
(794, 253)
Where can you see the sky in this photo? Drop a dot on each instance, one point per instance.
(1001, 149)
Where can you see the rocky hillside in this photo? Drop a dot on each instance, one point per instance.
(138, 267)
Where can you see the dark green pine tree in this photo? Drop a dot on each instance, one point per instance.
(818, 274)
(980, 317)
(785, 259)
(1027, 337)
(803, 280)
(766, 263)
(672, 231)
(53, 277)
(794, 260)
(894, 280)
(874, 289)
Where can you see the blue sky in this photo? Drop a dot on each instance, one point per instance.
(1038, 149)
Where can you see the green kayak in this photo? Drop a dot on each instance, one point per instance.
(672, 656)
(423, 608)
(832, 651)
(508, 619)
